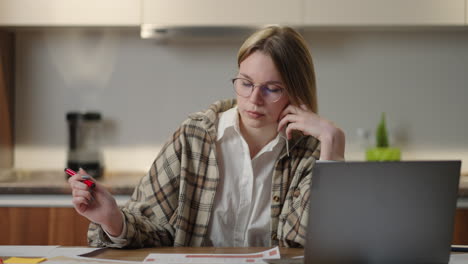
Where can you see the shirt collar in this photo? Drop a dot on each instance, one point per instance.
(228, 119)
(278, 141)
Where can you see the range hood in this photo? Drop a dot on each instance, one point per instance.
(208, 19)
(204, 32)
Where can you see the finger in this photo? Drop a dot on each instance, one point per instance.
(289, 118)
(290, 128)
(81, 193)
(73, 178)
(85, 176)
(78, 177)
(282, 123)
(83, 173)
(80, 203)
(86, 195)
(78, 185)
(295, 110)
(286, 111)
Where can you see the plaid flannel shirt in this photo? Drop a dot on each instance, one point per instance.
(171, 205)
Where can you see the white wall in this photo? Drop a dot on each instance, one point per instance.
(419, 78)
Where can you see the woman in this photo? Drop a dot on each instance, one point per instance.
(237, 174)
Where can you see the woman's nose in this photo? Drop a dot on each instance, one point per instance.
(256, 96)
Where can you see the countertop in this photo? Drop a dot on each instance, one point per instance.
(118, 183)
(55, 182)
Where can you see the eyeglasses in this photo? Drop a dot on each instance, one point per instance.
(270, 92)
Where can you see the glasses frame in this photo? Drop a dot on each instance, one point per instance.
(260, 85)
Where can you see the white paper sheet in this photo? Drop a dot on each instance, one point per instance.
(43, 251)
(26, 251)
(458, 258)
(213, 258)
(78, 260)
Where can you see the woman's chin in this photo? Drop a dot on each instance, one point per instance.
(257, 123)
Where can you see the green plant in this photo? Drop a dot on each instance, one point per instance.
(381, 135)
(382, 151)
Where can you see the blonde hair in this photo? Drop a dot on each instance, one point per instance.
(289, 52)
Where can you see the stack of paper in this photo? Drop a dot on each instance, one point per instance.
(213, 258)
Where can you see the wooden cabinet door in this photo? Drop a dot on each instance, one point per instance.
(65, 227)
(460, 234)
(384, 12)
(42, 226)
(69, 13)
(221, 13)
(6, 99)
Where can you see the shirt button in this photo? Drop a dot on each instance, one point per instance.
(297, 192)
(276, 198)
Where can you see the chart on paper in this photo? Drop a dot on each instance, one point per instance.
(213, 258)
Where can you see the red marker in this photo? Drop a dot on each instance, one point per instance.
(85, 181)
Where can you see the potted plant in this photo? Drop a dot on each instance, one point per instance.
(382, 151)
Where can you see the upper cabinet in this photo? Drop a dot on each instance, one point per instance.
(384, 12)
(70, 12)
(221, 13)
(233, 13)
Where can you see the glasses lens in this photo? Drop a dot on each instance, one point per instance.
(243, 87)
(269, 92)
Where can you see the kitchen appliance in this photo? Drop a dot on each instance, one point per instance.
(207, 20)
(84, 136)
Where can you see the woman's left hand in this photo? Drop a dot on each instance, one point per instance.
(332, 138)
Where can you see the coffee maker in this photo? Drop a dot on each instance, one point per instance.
(84, 135)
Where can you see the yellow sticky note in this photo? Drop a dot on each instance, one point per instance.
(24, 260)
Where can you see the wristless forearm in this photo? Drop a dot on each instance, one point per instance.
(332, 144)
(115, 224)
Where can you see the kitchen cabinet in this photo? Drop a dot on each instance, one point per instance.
(6, 99)
(221, 13)
(384, 12)
(50, 13)
(69, 13)
(64, 226)
(42, 226)
(460, 234)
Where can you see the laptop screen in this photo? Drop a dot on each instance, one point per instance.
(382, 212)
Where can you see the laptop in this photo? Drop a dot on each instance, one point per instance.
(382, 212)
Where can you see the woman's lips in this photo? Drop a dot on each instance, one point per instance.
(254, 114)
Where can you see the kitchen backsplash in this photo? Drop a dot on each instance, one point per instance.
(145, 90)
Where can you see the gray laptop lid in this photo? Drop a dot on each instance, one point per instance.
(382, 212)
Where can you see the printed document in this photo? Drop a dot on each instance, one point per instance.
(213, 258)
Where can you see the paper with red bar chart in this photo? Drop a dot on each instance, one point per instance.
(213, 258)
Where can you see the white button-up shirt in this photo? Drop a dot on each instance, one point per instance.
(241, 212)
(241, 215)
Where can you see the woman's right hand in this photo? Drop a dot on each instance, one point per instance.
(96, 204)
